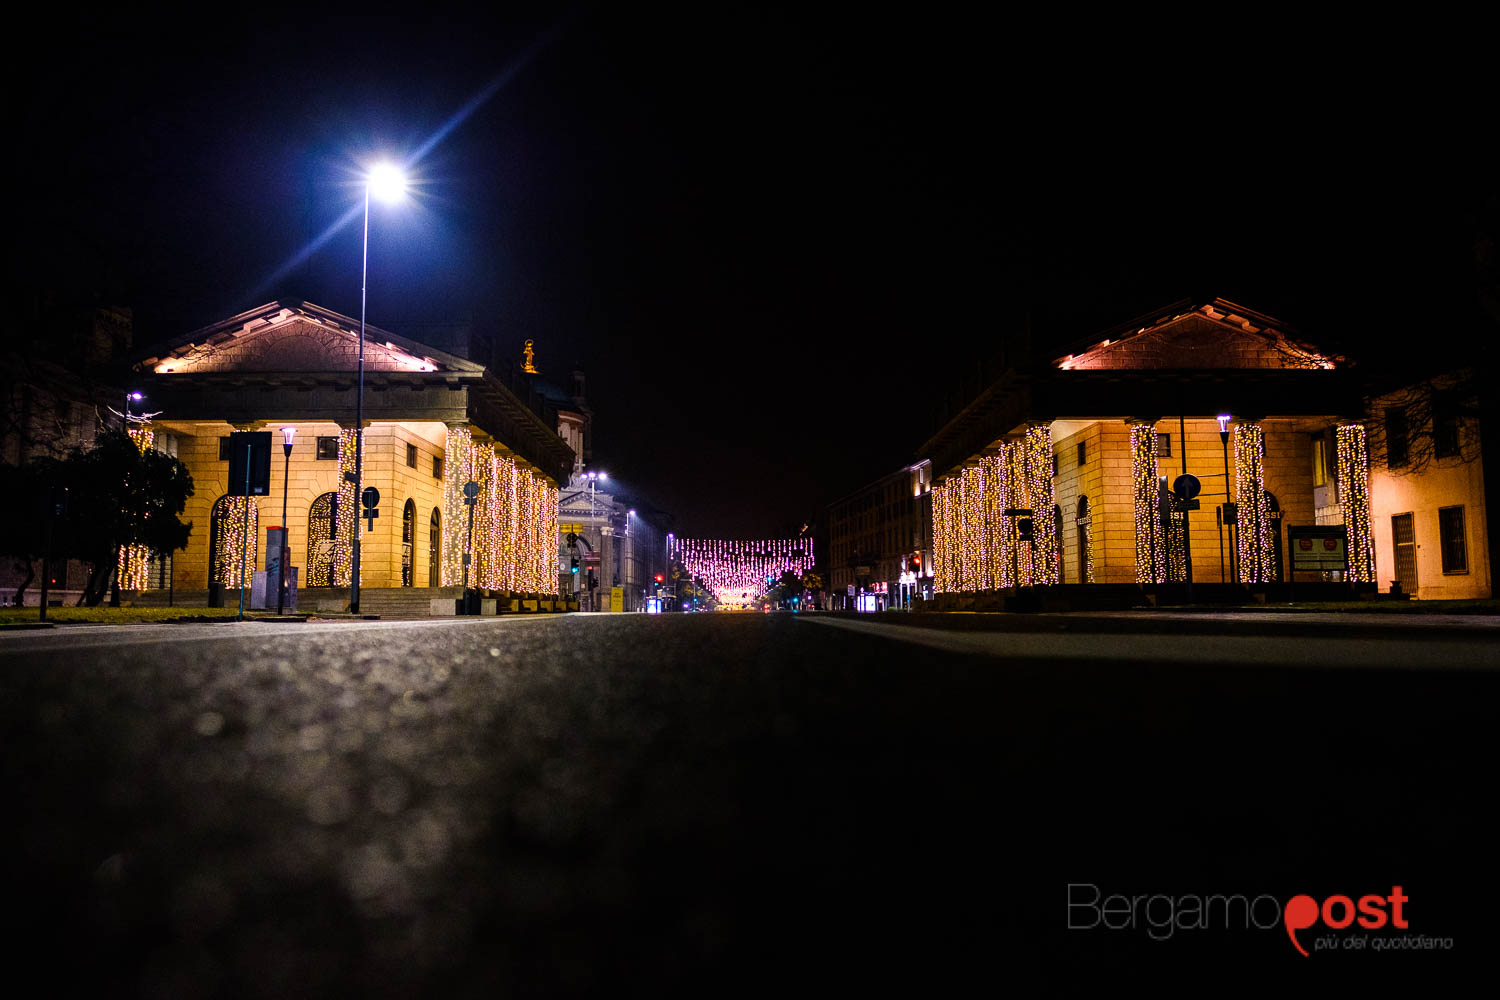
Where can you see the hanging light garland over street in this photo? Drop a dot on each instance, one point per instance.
(740, 572)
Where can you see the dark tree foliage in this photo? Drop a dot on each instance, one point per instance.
(25, 489)
(1412, 427)
(111, 496)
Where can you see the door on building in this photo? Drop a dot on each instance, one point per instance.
(1057, 539)
(408, 539)
(434, 547)
(322, 536)
(1404, 535)
(1273, 574)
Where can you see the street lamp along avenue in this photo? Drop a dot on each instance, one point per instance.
(386, 182)
(287, 433)
(125, 417)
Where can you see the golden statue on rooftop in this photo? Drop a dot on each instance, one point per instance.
(528, 365)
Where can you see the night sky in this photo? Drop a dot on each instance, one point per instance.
(774, 240)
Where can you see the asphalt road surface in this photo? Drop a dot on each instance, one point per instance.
(726, 804)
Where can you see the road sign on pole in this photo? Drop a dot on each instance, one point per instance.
(1186, 486)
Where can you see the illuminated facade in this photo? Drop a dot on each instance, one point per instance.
(1061, 472)
(1433, 532)
(433, 422)
(880, 540)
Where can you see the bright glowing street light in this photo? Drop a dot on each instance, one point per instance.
(125, 418)
(387, 183)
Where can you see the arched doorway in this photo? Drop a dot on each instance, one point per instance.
(322, 535)
(1057, 539)
(1085, 539)
(1274, 509)
(226, 530)
(434, 549)
(408, 537)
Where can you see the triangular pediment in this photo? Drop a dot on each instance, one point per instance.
(299, 337)
(1218, 336)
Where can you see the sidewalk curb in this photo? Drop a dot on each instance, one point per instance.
(1147, 623)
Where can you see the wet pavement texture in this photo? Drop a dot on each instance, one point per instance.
(705, 803)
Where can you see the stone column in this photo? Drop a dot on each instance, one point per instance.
(1150, 543)
(457, 470)
(941, 577)
(1354, 498)
(1041, 497)
(1256, 550)
(344, 522)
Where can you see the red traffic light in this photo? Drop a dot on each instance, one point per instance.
(660, 578)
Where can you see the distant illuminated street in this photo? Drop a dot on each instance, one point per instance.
(709, 802)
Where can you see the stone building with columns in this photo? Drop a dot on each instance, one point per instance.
(1080, 451)
(433, 422)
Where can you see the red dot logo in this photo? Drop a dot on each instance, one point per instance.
(1301, 913)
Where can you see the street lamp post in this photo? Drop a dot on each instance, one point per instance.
(594, 479)
(388, 184)
(125, 417)
(287, 433)
(1231, 520)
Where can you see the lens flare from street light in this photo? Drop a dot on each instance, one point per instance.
(386, 182)
(136, 395)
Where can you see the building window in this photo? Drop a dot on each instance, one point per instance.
(1320, 460)
(224, 449)
(1163, 446)
(1444, 428)
(1395, 437)
(1083, 453)
(1451, 534)
(411, 456)
(437, 466)
(328, 449)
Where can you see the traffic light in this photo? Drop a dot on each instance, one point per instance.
(660, 579)
(574, 568)
(1023, 529)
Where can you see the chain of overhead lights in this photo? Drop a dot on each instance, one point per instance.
(1354, 494)
(740, 572)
